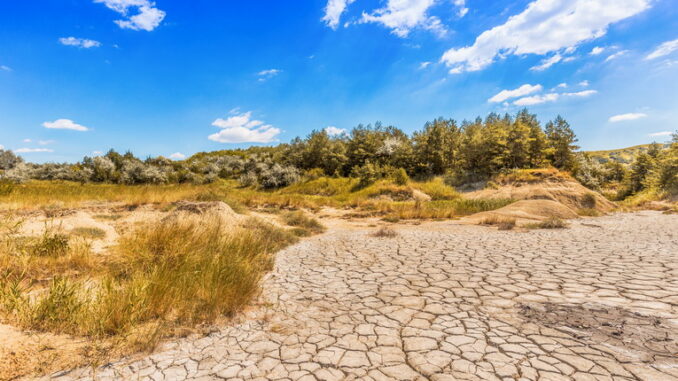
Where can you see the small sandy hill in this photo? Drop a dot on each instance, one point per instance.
(189, 210)
(544, 184)
(525, 211)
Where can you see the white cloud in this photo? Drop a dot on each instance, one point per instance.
(401, 16)
(97, 153)
(33, 150)
(545, 26)
(2, 147)
(79, 42)
(596, 50)
(177, 156)
(27, 140)
(551, 97)
(147, 16)
(664, 49)
(616, 55)
(424, 65)
(584, 83)
(662, 133)
(461, 4)
(562, 86)
(5, 68)
(333, 11)
(45, 142)
(625, 117)
(537, 99)
(242, 128)
(334, 131)
(519, 92)
(65, 124)
(547, 63)
(268, 74)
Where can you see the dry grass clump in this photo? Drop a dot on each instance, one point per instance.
(588, 212)
(89, 232)
(160, 277)
(531, 176)
(301, 221)
(502, 223)
(385, 232)
(550, 223)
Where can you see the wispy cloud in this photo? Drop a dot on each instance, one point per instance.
(547, 62)
(138, 14)
(33, 150)
(519, 92)
(402, 16)
(552, 97)
(177, 156)
(333, 11)
(241, 128)
(463, 10)
(626, 117)
(268, 74)
(79, 42)
(545, 26)
(65, 124)
(664, 49)
(616, 55)
(5, 68)
(659, 134)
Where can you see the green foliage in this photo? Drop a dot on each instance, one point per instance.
(51, 244)
(400, 177)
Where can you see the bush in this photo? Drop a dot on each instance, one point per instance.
(400, 177)
(367, 175)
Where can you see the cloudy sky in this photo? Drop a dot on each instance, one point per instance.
(174, 77)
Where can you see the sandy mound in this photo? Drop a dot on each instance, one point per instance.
(526, 211)
(546, 185)
(190, 210)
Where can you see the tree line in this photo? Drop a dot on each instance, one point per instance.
(465, 152)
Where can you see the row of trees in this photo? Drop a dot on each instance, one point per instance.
(466, 152)
(472, 151)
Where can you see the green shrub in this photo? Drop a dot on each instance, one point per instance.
(51, 244)
(400, 177)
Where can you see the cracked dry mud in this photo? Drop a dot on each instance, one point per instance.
(444, 301)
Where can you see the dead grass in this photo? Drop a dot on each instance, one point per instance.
(301, 221)
(385, 232)
(502, 223)
(89, 232)
(550, 223)
(160, 278)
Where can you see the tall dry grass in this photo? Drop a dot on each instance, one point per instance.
(173, 274)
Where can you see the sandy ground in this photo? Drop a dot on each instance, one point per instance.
(448, 301)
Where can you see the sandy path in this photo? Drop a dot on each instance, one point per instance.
(444, 301)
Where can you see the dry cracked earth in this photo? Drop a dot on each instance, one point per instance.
(445, 301)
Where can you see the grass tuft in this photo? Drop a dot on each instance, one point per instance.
(89, 232)
(550, 223)
(300, 220)
(385, 232)
(502, 223)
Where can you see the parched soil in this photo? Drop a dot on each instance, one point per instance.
(446, 301)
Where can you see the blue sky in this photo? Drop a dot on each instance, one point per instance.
(167, 76)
